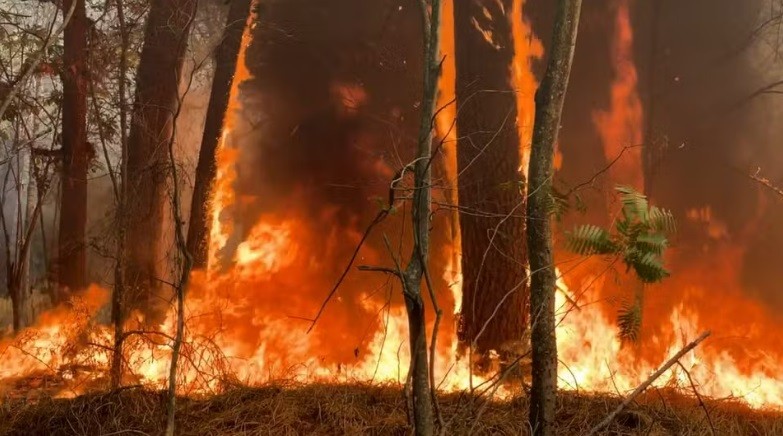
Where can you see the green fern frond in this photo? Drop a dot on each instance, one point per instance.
(648, 266)
(662, 220)
(655, 243)
(589, 239)
(629, 320)
(634, 203)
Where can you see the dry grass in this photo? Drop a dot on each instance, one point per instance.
(360, 409)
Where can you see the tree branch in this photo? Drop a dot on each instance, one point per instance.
(608, 420)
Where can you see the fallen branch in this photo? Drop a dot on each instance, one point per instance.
(698, 397)
(608, 420)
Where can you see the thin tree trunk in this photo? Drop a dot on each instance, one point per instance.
(226, 63)
(492, 223)
(157, 82)
(424, 423)
(72, 255)
(549, 105)
(118, 293)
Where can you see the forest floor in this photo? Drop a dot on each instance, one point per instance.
(364, 409)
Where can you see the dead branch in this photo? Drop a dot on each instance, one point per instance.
(765, 182)
(641, 388)
(31, 67)
(698, 397)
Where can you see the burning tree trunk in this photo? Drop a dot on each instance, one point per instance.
(225, 65)
(492, 223)
(157, 82)
(72, 256)
(549, 105)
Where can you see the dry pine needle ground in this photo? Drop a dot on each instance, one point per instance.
(364, 409)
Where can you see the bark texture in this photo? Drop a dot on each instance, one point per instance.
(225, 66)
(72, 256)
(416, 269)
(156, 98)
(549, 106)
(492, 223)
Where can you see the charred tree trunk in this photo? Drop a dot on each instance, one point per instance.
(225, 66)
(549, 106)
(72, 256)
(157, 83)
(492, 222)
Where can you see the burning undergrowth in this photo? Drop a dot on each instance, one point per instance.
(304, 165)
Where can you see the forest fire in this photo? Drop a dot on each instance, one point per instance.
(261, 310)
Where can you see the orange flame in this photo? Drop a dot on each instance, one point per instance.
(527, 48)
(620, 127)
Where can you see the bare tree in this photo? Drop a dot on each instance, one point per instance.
(121, 193)
(225, 66)
(72, 257)
(157, 86)
(549, 105)
(416, 269)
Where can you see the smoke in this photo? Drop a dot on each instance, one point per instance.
(711, 57)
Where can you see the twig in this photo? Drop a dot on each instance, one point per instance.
(382, 214)
(37, 60)
(382, 269)
(764, 181)
(608, 420)
(698, 397)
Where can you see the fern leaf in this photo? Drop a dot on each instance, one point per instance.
(648, 266)
(662, 220)
(634, 203)
(655, 243)
(589, 239)
(629, 320)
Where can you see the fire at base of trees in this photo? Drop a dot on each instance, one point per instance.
(489, 207)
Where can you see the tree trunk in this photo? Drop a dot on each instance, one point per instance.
(225, 66)
(549, 105)
(157, 83)
(416, 270)
(491, 202)
(118, 293)
(72, 256)
(18, 301)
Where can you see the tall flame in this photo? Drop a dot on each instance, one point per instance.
(446, 126)
(620, 127)
(527, 48)
(223, 192)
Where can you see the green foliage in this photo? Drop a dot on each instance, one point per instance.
(639, 239)
(590, 239)
(629, 320)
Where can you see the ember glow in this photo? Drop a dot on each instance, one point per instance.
(248, 315)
